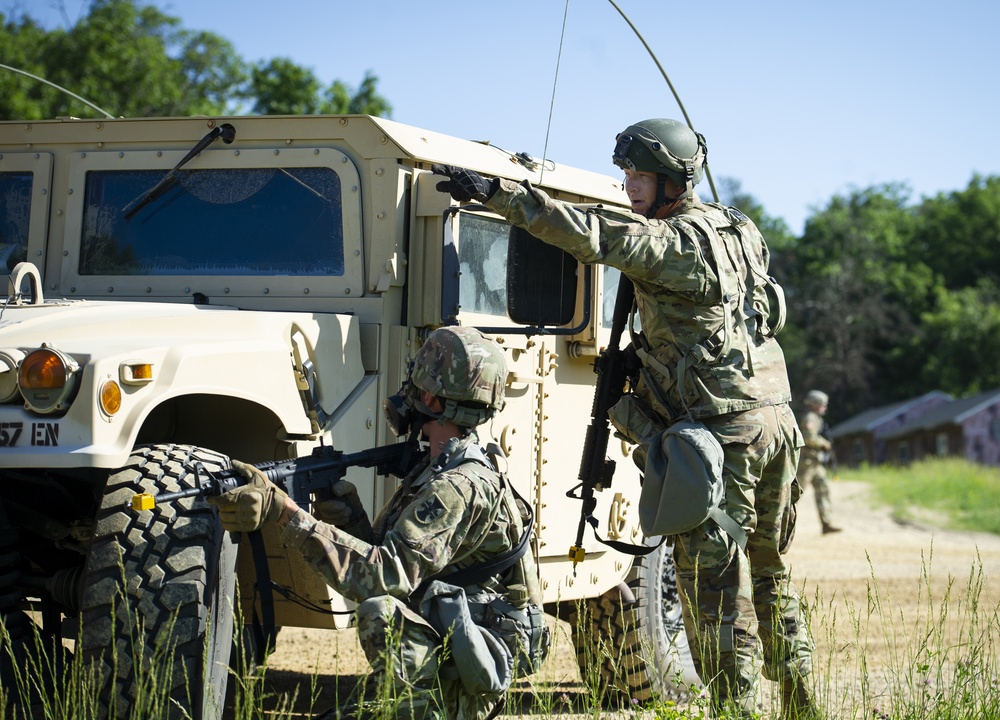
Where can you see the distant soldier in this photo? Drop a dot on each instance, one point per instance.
(816, 455)
(449, 606)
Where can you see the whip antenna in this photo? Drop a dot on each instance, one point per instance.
(58, 87)
(708, 173)
(552, 103)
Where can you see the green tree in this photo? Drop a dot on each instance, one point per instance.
(958, 233)
(854, 295)
(339, 100)
(960, 342)
(281, 87)
(134, 60)
(129, 58)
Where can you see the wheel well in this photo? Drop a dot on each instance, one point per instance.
(233, 426)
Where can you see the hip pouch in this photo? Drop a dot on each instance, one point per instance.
(682, 485)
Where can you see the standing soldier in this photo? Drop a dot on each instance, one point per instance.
(708, 310)
(816, 455)
(447, 561)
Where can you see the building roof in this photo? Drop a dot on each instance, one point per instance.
(953, 413)
(872, 418)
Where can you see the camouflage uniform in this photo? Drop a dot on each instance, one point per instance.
(738, 386)
(812, 464)
(444, 517)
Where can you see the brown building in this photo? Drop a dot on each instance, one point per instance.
(968, 428)
(861, 439)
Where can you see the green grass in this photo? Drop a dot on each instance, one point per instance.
(952, 492)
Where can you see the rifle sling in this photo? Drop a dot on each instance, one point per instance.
(264, 630)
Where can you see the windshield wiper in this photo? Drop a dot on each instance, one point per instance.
(228, 134)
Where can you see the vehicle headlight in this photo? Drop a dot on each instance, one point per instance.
(47, 379)
(9, 361)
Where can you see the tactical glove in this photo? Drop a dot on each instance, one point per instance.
(344, 509)
(465, 185)
(248, 507)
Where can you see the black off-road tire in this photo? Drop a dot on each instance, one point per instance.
(635, 651)
(157, 603)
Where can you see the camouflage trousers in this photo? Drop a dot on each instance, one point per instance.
(412, 678)
(812, 472)
(741, 611)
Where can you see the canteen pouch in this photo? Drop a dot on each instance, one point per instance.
(683, 485)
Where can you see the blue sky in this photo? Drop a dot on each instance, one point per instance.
(798, 100)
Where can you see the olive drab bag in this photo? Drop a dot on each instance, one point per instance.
(683, 486)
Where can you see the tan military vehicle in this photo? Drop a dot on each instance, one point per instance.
(185, 291)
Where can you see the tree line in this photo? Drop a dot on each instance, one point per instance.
(133, 60)
(888, 298)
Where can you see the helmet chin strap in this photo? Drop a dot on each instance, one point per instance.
(661, 196)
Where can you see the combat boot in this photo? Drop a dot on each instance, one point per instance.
(828, 528)
(797, 702)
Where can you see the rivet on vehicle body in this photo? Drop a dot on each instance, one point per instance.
(72, 289)
(149, 290)
(159, 153)
(354, 188)
(70, 191)
(380, 172)
(277, 152)
(121, 154)
(236, 152)
(59, 212)
(100, 146)
(381, 216)
(316, 151)
(45, 191)
(226, 291)
(305, 291)
(111, 288)
(288, 142)
(267, 291)
(65, 253)
(211, 123)
(83, 155)
(357, 252)
(343, 122)
(100, 126)
(347, 291)
(344, 159)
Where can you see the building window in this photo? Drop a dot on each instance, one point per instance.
(941, 443)
(903, 452)
(995, 428)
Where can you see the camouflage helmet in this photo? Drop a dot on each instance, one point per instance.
(665, 147)
(815, 398)
(466, 370)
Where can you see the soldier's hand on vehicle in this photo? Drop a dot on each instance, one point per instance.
(247, 507)
(464, 185)
(344, 509)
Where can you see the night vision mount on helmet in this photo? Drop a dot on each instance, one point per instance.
(664, 147)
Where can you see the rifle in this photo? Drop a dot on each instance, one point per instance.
(301, 477)
(596, 470)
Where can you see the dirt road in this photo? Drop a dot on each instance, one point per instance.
(876, 590)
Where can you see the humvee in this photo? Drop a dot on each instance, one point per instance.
(183, 291)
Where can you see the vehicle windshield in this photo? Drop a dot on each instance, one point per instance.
(258, 221)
